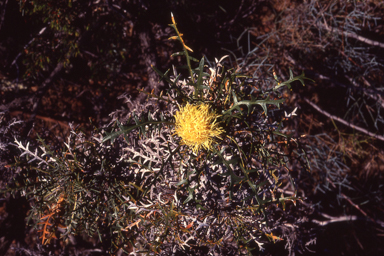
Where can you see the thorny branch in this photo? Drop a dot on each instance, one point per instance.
(376, 136)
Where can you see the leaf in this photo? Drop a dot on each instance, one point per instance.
(273, 237)
(234, 178)
(181, 182)
(126, 129)
(162, 76)
(190, 196)
(200, 74)
(250, 103)
(178, 54)
(193, 59)
(292, 79)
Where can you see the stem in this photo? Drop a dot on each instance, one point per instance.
(185, 51)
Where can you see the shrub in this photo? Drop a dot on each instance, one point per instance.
(205, 166)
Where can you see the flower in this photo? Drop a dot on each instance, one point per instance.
(197, 126)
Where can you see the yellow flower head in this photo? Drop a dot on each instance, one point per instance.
(197, 126)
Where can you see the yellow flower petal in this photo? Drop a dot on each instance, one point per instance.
(197, 127)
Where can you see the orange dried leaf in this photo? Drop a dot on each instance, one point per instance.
(189, 225)
(273, 237)
(186, 47)
(44, 223)
(46, 216)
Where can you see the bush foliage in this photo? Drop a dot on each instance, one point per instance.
(210, 158)
(142, 185)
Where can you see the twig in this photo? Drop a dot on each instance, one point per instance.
(237, 14)
(352, 203)
(332, 219)
(379, 137)
(52, 77)
(313, 74)
(3, 13)
(44, 118)
(25, 46)
(352, 35)
(354, 87)
(375, 96)
(40, 93)
(356, 206)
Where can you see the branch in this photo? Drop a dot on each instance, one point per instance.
(350, 201)
(52, 77)
(44, 118)
(25, 46)
(379, 137)
(332, 219)
(314, 74)
(40, 93)
(375, 96)
(352, 35)
(4, 6)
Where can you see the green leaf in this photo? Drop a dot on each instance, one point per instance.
(199, 76)
(178, 54)
(292, 79)
(190, 196)
(250, 103)
(193, 59)
(162, 76)
(199, 206)
(127, 129)
(182, 182)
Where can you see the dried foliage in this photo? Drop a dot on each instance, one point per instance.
(338, 44)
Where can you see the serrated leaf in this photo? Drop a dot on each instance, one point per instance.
(292, 79)
(250, 103)
(126, 129)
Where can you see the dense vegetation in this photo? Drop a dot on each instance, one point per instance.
(91, 163)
